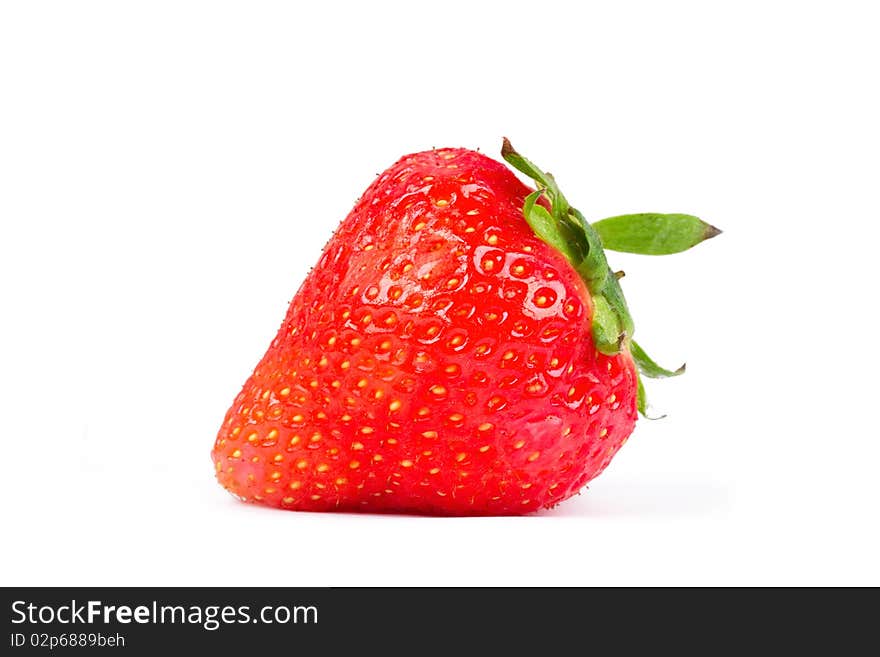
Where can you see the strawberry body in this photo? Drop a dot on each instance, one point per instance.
(438, 359)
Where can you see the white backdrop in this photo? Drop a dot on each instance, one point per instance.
(170, 170)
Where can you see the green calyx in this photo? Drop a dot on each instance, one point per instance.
(583, 245)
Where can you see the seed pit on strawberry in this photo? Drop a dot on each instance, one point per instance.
(461, 348)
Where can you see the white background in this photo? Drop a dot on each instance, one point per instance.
(170, 170)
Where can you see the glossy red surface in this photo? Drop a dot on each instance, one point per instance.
(437, 359)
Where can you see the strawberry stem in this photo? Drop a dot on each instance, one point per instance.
(565, 229)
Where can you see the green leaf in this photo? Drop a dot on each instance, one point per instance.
(541, 178)
(647, 366)
(606, 328)
(525, 166)
(653, 234)
(641, 398)
(545, 226)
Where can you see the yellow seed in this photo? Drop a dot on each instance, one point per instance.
(473, 212)
(406, 463)
(424, 411)
(518, 444)
(323, 467)
(492, 239)
(611, 398)
(362, 383)
(295, 440)
(508, 355)
(272, 435)
(456, 417)
(395, 405)
(278, 458)
(533, 456)
(346, 418)
(284, 392)
(252, 437)
(295, 485)
(485, 426)
(354, 465)
(315, 437)
(429, 434)
(236, 453)
(442, 203)
(419, 226)
(484, 449)
(315, 497)
(461, 456)
(355, 342)
(367, 430)
(302, 464)
(344, 365)
(392, 441)
(603, 433)
(434, 470)
(275, 476)
(377, 457)
(438, 390)
(357, 446)
(287, 500)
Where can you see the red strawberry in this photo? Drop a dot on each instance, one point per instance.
(441, 357)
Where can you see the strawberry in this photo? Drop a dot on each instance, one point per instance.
(460, 348)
